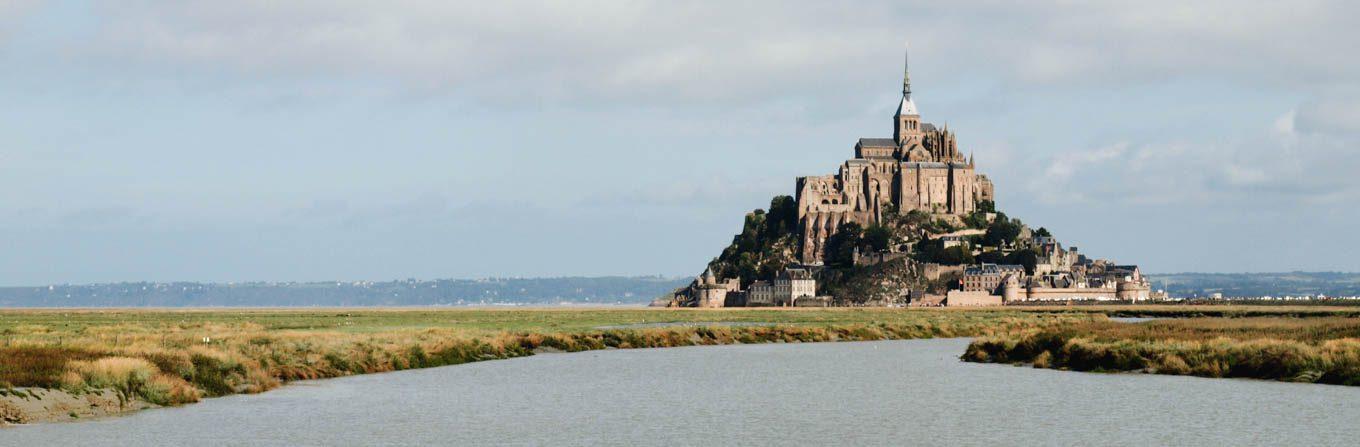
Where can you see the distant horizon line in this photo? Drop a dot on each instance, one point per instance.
(500, 278)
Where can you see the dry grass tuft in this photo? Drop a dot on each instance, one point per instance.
(1323, 350)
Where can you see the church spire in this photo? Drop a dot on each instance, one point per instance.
(906, 72)
(907, 107)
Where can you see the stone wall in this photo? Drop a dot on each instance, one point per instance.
(959, 298)
(1064, 294)
(934, 271)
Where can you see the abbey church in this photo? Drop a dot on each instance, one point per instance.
(919, 168)
(945, 244)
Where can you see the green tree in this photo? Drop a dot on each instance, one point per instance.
(840, 247)
(1001, 231)
(1042, 232)
(782, 218)
(877, 238)
(917, 218)
(1027, 258)
(986, 206)
(956, 255)
(976, 220)
(991, 257)
(932, 250)
(760, 248)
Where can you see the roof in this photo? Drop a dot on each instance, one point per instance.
(907, 107)
(992, 269)
(934, 164)
(877, 142)
(928, 127)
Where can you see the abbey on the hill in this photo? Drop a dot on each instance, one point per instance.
(919, 168)
(907, 222)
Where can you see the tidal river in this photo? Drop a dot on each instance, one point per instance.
(873, 393)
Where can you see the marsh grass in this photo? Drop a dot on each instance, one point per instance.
(1318, 349)
(39, 366)
(171, 357)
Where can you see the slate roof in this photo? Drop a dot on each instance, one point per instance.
(877, 142)
(993, 269)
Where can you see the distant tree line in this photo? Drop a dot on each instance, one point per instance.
(344, 293)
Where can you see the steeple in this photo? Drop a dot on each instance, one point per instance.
(906, 123)
(907, 107)
(906, 73)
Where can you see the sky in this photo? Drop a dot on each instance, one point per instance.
(256, 140)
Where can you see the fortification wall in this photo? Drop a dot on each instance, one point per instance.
(959, 298)
(1064, 294)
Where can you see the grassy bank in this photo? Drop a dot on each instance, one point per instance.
(172, 357)
(1221, 310)
(1320, 349)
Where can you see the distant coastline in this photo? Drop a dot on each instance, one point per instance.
(604, 290)
(590, 291)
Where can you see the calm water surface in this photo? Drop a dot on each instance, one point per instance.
(874, 393)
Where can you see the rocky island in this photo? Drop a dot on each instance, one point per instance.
(909, 221)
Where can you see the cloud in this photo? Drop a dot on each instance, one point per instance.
(685, 53)
(1307, 156)
(1335, 115)
(12, 12)
(403, 125)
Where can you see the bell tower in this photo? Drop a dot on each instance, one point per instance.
(907, 121)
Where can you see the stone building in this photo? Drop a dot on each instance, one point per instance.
(793, 285)
(708, 291)
(760, 294)
(919, 168)
(989, 277)
(787, 289)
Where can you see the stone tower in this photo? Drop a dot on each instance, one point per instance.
(919, 169)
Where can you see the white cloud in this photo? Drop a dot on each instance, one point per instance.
(635, 52)
(596, 114)
(1275, 170)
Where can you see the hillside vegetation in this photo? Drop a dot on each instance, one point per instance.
(768, 242)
